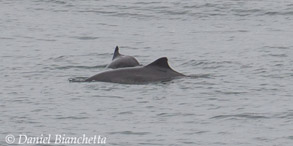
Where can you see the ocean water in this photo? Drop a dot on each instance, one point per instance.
(238, 52)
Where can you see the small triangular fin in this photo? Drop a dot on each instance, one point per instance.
(116, 53)
(161, 62)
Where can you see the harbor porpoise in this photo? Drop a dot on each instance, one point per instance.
(156, 71)
(120, 61)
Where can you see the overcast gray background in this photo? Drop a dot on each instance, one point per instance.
(239, 53)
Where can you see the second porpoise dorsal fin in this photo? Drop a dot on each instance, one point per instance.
(116, 53)
(161, 62)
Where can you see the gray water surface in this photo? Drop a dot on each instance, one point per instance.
(238, 52)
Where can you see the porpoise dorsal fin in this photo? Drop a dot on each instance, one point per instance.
(116, 53)
(161, 62)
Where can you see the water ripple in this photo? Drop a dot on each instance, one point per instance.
(86, 37)
(80, 67)
(130, 133)
(73, 117)
(241, 116)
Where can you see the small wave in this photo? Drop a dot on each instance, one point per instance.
(105, 24)
(178, 12)
(126, 113)
(133, 15)
(245, 115)
(109, 96)
(207, 62)
(278, 55)
(77, 79)
(278, 47)
(67, 57)
(246, 12)
(274, 13)
(54, 1)
(81, 67)
(174, 114)
(47, 40)
(195, 76)
(86, 38)
(96, 11)
(130, 133)
(6, 38)
(285, 115)
(231, 92)
(72, 117)
(146, 3)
